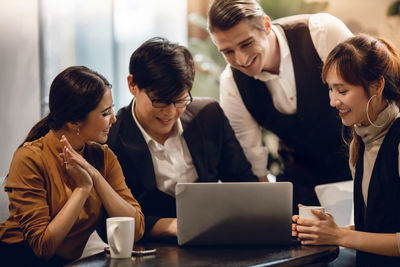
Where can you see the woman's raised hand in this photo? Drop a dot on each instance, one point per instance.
(76, 166)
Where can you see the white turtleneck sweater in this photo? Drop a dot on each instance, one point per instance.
(373, 137)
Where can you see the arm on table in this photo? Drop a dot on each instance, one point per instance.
(165, 227)
(326, 232)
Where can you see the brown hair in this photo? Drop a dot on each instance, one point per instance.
(363, 60)
(225, 14)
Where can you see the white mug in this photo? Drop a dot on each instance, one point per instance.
(120, 235)
(305, 212)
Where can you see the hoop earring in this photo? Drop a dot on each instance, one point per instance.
(378, 126)
(77, 131)
(342, 134)
(267, 25)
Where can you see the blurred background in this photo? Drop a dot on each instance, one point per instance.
(40, 38)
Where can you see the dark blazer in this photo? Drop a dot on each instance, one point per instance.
(216, 154)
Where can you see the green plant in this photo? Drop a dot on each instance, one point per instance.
(277, 9)
(394, 9)
(209, 62)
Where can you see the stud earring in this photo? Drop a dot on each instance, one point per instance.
(77, 131)
(267, 24)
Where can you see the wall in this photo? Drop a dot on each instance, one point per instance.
(135, 21)
(19, 75)
(100, 34)
(367, 16)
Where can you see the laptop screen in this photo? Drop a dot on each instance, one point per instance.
(234, 213)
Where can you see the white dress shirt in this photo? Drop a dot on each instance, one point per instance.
(326, 32)
(172, 161)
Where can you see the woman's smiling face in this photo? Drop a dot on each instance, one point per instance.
(98, 122)
(350, 100)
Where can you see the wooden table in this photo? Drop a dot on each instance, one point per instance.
(169, 254)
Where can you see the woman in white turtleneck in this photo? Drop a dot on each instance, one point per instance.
(363, 74)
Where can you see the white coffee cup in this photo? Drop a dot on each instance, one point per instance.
(305, 212)
(120, 235)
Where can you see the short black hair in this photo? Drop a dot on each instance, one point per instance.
(164, 68)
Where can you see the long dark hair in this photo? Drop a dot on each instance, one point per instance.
(73, 94)
(363, 60)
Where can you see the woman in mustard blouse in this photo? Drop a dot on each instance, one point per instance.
(61, 181)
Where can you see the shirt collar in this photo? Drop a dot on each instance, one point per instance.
(285, 53)
(53, 141)
(386, 118)
(178, 129)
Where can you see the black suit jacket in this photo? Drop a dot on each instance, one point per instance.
(216, 154)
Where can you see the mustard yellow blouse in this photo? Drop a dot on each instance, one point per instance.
(38, 187)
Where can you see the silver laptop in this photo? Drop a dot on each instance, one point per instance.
(234, 213)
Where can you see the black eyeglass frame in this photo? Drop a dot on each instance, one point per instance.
(161, 103)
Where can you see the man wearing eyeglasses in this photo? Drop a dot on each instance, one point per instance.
(165, 136)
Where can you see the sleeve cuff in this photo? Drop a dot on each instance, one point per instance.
(258, 158)
(398, 242)
(150, 221)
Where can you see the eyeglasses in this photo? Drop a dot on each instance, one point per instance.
(161, 103)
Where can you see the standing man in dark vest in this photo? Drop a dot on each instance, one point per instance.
(273, 81)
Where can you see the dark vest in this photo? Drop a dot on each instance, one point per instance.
(382, 214)
(311, 138)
